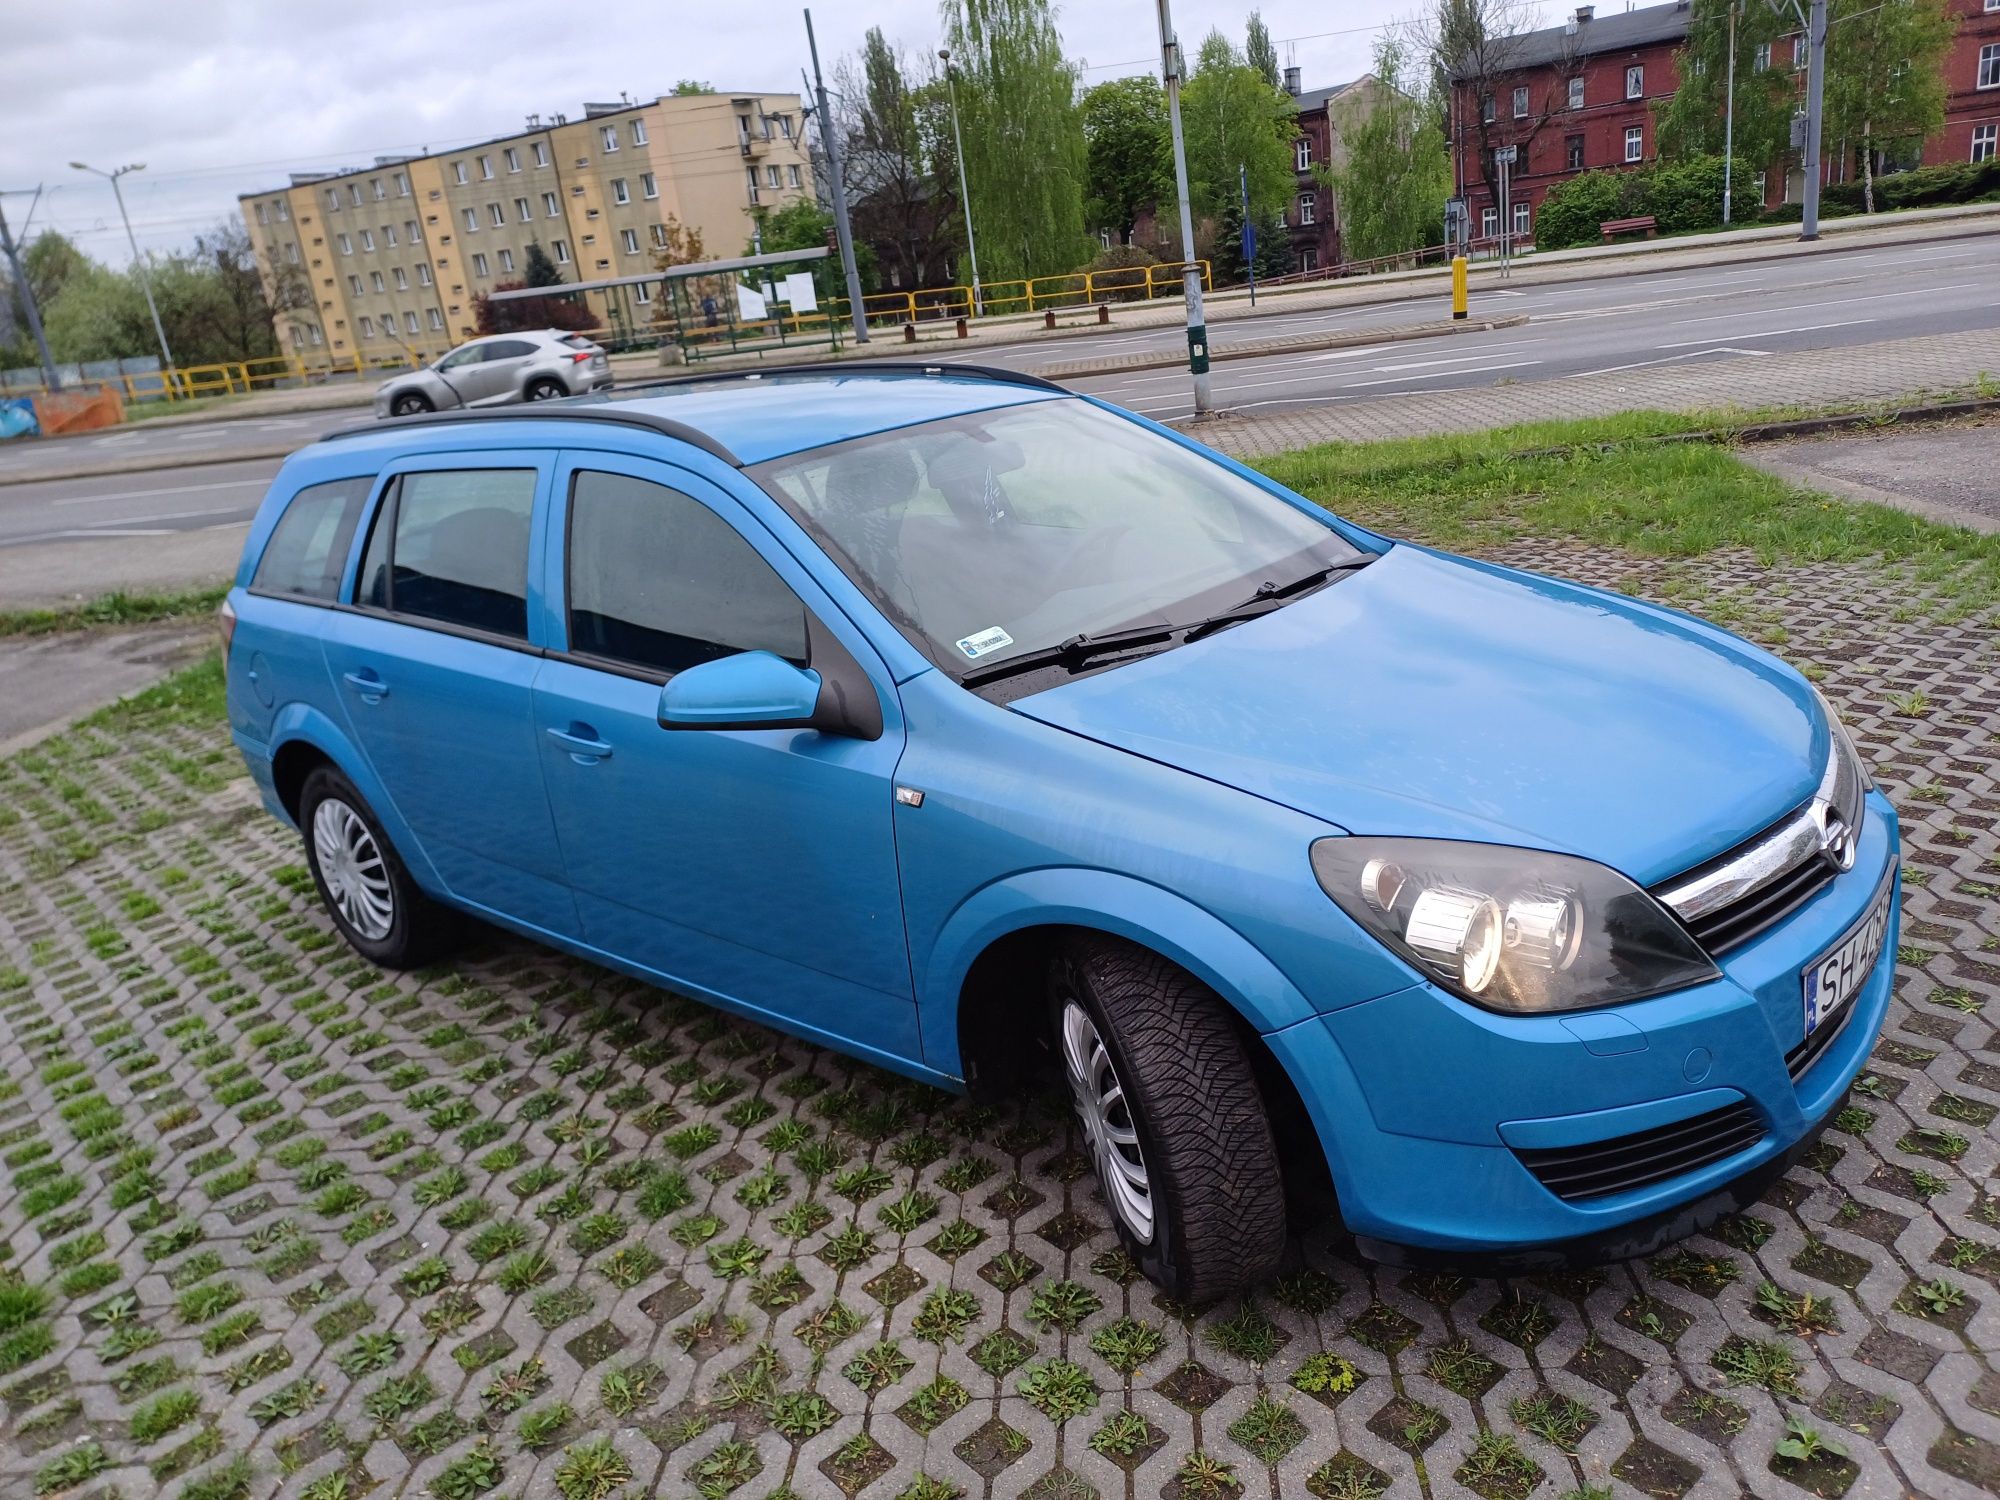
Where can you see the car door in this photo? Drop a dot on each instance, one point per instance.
(497, 377)
(757, 867)
(434, 666)
(459, 370)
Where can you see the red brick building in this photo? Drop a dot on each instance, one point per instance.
(1972, 76)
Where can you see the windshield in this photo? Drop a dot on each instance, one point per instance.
(1004, 532)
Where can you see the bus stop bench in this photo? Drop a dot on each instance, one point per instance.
(1612, 228)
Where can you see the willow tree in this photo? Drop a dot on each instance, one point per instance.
(1691, 123)
(1025, 163)
(1885, 89)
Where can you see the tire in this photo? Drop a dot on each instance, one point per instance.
(365, 886)
(545, 389)
(410, 404)
(1211, 1217)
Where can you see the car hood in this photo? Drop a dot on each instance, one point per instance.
(1432, 696)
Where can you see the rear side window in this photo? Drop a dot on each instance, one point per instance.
(452, 546)
(308, 547)
(658, 580)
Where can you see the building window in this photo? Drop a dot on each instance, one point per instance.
(346, 244)
(1635, 82)
(458, 173)
(638, 132)
(423, 274)
(367, 239)
(751, 172)
(631, 239)
(284, 212)
(506, 260)
(332, 200)
(410, 321)
(485, 169)
(367, 328)
(1573, 152)
(354, 284)
(1989, 66)
(785, 126)
(313, 333)
(648, 186)
(479, 265)
(513, 155)
(1520, 221)
(561, 248)
(1486, 110)
(1985, 140)
(497, 214)
(1576, 93)
(550, 206)
(771, 177)
(412, 232)
(1489, 223)
(541, 151)
(354, 193)
(523, 210)
(389, 235)
(1308, 258)
(792, 176)
(435, 318)
(1635, 143)
(402, 279)
(1302, 154)
(610, 136)
(1308, 208)
(471, 220)
(621, 191)
(660, 236)
(402, 184)
(375, 183)
(263, 213)
(292, 254)
(1521, 102)
(1760, 61)
(298, 337)
(375, 280)
(641, 293)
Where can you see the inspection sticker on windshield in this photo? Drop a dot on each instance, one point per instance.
(1836, 975)
(985, 642)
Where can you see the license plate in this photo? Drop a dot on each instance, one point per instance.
(1838, 974)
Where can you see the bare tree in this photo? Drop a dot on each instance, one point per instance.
(1515, 74)
(891, 122)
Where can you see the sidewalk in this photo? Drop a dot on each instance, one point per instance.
(1736, 246)
(1818, 378)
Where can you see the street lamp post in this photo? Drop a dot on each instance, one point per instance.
(1197, 328)
(145, 278)
(964, 188)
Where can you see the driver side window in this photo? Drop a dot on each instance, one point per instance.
(458, 359)
(657, 580)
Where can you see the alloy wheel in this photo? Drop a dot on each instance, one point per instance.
(352, 867)
(1108, 1126)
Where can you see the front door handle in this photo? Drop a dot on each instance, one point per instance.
(582, 743)
(371, 688)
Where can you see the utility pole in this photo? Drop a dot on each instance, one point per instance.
(1729, 115)
(829, 137)
(1816, 25)
(1197, 329)
(145, 273)
(27, 295)
(964, 188)
(1249, 229)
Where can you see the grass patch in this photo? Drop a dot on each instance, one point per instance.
(1612, 480)
(115, 609)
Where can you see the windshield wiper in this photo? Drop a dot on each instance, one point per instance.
(1074, 652)
(1270, 596)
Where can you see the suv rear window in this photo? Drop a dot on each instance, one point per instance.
(452, 546)
(308, 547)
(576, 341)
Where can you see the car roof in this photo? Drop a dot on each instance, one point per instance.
(747, 417)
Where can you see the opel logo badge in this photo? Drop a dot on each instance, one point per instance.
(1836, 839)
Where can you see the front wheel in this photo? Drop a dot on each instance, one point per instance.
(1172, 1118)
(410, 404)
(367, 890)
(546, 389)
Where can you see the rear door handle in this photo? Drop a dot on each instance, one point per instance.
(371, 688)
(581, 741)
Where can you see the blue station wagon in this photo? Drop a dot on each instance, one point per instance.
(973, 727)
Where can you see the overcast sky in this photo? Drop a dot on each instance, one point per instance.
(220, 97)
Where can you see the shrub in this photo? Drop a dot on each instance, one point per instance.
(1573, 209)
(1118, 274)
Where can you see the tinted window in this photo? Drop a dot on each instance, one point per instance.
(458, 359)
(453, 547)
(509, 349)
(308, 547)
(661, 581)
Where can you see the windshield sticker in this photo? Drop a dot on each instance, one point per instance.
(984, 642)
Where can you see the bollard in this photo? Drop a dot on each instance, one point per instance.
(1049, 318)
(961, 328)
(1458, 287)
(1103, 313)
(909, 333)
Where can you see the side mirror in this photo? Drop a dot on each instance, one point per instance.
(751, 690)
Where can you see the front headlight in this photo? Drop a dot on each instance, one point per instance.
(1518, 930)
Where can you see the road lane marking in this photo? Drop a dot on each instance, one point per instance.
(1777, 333)
(1518, 364)
(172, 489)
(1643, 364)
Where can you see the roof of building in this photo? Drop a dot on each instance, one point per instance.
(746, 417)
(1614, 31)
(1313, 99)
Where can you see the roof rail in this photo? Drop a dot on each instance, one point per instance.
(839, 368)
(588, 411)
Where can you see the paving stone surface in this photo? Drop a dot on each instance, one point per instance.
(275, 1222)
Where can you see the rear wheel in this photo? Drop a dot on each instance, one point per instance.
(367, 890)
(546, 389)
(1172, 1118)
(410, 404)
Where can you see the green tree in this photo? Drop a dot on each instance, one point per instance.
(1885, 87)
(1391, 191)
(1691, 123)
(1129, 150)
(1481, 46)
(1230, 119)
(803, 224)
(1024, 149)
(537, 269)
(688, 86)
(1260, 51)
(895, 128)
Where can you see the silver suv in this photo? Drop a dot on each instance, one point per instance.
(498, 370)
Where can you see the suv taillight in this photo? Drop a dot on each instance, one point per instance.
(580, 357)
(225, 616)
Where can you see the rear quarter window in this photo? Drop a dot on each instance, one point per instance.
(307, 551)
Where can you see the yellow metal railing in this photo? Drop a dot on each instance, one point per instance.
(241, 376)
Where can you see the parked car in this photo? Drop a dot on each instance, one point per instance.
(497, 371)
(958, 722)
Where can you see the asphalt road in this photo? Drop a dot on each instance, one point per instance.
(1591, 330)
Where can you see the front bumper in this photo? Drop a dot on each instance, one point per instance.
(1425, 1105)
